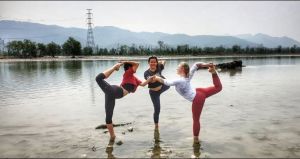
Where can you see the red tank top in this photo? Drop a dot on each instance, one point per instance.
(129, 78)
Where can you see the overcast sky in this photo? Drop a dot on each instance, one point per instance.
(194, 17)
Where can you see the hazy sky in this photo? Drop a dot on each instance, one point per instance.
(193, 17)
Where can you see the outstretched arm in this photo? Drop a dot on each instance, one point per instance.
(109, 71)
(163, 62)
(167, 82)
(198, 65)
(144, 83)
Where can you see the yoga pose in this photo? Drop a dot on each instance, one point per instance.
(112, 92)
(155, 88)
(196, 96)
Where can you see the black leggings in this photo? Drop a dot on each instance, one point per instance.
(112, 92)
(155, 97)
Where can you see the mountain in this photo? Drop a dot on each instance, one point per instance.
(109, 36)
(269, 41)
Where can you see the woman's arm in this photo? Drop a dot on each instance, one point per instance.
(134, 64)
(163, 62)
(201, 65)
(144, 83)
(167, 82)
(198, 65)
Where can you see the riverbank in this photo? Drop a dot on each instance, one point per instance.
(164, 57)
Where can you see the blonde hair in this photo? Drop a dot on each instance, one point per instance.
(186, 68)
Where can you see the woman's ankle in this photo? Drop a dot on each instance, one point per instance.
(112, 138)
(196, 139)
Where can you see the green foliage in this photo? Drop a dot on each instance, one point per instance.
(41, 50)
(87, 51)
(72, 47)
(27, 48)
(53, 49)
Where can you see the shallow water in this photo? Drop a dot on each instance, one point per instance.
(51, 109)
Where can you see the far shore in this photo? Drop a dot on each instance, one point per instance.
(163, 57)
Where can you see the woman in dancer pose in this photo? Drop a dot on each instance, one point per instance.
(196, 96)
(112, 92)
(155, 88)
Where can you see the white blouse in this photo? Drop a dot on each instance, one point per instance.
(183, 85)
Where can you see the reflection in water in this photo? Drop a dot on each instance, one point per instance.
(73, 69)
(46, 101)
(110, 149)
(156, 150)
(196, 147)
(232, 72)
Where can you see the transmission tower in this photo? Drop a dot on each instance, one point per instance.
(90, 36)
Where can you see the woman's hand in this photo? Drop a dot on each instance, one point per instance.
(147, 81)
(117, 66)
(159, 79)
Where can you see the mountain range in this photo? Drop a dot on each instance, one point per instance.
(110, 36)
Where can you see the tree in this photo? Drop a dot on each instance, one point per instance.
(29, 48)
(72, 47)
(15, 48)
(53, 49)
(87, 51)
(236, 49)
(41, 49)
(161, 45)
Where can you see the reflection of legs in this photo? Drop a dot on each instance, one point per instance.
(196, 110)
(156, 151)
(109, 109)
(196, 147)
(155, 97)
(110, 148)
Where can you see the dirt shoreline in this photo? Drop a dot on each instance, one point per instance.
(104, 58)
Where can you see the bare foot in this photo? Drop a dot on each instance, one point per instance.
(117, 66)
(212, 69)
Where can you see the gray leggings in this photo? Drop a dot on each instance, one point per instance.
(155, 97)
(112, 92)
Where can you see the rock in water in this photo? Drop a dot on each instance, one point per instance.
(103, 126)
(230, 65)
(130, 129)
(119, 142)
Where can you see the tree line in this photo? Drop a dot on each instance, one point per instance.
(72, 47)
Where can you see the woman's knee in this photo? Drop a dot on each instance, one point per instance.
(219, 88)
(108, 121)
(100, 77)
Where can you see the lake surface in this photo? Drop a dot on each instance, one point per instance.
(51, 109)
